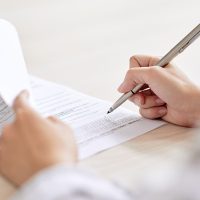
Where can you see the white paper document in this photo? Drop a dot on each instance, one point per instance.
(94, 129)
(6, 114)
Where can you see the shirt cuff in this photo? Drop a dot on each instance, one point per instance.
(62, 182)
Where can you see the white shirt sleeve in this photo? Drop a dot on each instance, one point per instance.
(63, 183)
(71, 183)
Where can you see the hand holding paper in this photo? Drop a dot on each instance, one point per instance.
(94, 131)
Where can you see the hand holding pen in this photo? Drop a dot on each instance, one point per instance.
(172, 96)
(179, 48)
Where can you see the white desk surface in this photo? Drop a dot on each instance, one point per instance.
(87, 45)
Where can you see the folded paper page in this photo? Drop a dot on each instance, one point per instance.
(13, 76)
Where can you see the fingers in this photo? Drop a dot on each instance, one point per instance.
(142, 61)
(154, 112)
(157, 78)
(24, 113)
(144, 101)
(136, 62)
(131, 79)
(145, 75)
(151, 106)
(138, 99)
(21, 101)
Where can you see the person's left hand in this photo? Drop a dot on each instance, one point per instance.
(32, 143)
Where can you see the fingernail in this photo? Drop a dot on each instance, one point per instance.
(159, 101)
(25, 94)
(162, 111)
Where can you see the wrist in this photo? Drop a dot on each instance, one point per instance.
(195, 106)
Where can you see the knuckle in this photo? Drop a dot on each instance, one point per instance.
(153, 60)
(153, 71)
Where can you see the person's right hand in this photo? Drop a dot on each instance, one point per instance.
(172, 96)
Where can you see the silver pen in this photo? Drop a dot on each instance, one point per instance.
(179, 48)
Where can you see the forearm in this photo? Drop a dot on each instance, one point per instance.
(62, 183)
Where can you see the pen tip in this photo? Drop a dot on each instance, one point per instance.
(110, 110)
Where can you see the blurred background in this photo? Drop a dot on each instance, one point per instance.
(87, 44)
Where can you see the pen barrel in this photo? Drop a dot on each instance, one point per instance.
(122, 99)
(180, 47)
(136, 88)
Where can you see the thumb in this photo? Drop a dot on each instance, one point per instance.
(21, 101)
(24, 110)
